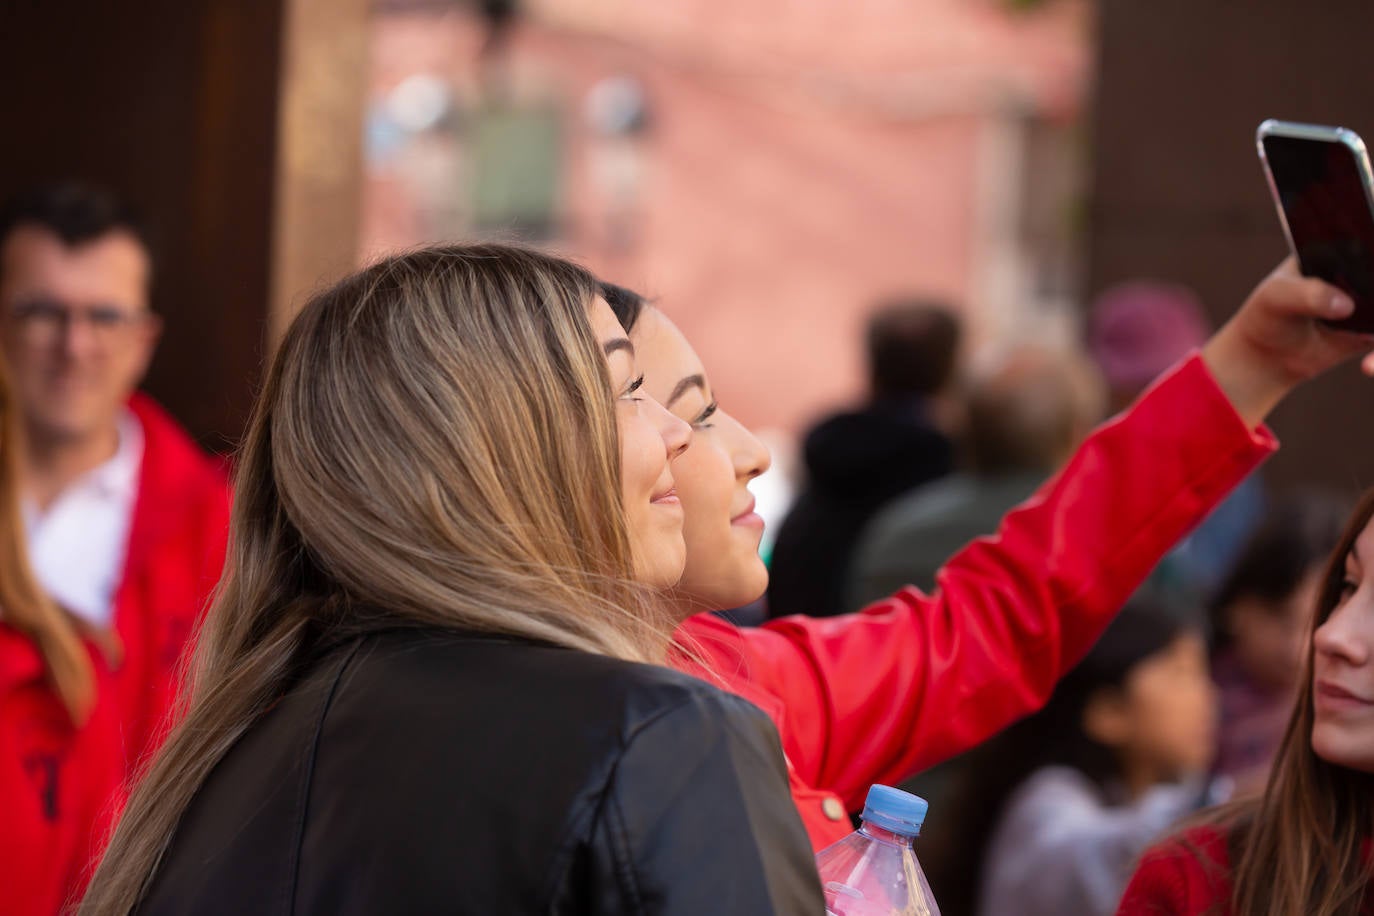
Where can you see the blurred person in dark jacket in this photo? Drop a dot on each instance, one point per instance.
(858, 461)
(1026, 411)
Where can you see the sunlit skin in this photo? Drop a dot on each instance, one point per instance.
(721, 529)
(1343, 667)
(650, 438)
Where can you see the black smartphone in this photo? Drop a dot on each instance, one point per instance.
(1321, 182)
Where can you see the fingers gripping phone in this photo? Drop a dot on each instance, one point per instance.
(1321, 182)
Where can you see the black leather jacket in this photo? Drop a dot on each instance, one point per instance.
(416, 771)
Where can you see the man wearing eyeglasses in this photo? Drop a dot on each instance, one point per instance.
(126, 518)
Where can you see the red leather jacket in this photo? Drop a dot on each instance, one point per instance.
(876, 696)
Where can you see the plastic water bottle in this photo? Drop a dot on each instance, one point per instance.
(873, 871)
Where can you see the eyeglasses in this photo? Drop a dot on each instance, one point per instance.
(47, 320)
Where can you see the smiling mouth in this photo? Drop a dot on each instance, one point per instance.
(1339, 696)
(748, 510)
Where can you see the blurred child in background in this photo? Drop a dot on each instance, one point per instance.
(1079, 790)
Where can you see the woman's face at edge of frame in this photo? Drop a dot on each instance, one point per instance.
(649, 437)
(721, 529)
(1343, 666)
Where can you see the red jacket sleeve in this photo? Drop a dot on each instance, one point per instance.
(910, 681)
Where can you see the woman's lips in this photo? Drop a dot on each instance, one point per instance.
(666, 498)
(748, 517)
(1333, 696)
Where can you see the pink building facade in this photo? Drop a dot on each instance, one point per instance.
(792, 161)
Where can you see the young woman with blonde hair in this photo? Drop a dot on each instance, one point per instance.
(427, 683)
(61, 750)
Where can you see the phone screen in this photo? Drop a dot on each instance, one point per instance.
(1323, 197)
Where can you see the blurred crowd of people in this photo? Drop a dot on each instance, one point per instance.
(957, 558)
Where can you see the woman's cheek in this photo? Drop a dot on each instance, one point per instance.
(642, 454)
(704, 484)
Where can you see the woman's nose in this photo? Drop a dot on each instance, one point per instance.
(751, 456)
(676, 433)
(1345, 633)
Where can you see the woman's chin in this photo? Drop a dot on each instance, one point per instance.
(663, 567)
(1342, 750)
(722, 590)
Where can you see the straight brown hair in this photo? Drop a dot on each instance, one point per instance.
(1299, 848)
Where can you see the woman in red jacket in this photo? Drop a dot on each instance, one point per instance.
(1303, 847)
(61, 756)
(913, 680)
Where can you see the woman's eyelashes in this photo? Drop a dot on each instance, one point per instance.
(630, 390)
(707, 412)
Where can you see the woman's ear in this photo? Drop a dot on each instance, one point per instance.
(1106, 718)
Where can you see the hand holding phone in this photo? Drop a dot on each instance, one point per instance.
(1322, 185)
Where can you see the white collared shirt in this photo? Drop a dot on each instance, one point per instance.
(77, 547)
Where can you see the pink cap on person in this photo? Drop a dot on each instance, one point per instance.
(1140, 328)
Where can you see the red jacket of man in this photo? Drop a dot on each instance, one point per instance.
(61, 787)
(877, 696)
(177, 541)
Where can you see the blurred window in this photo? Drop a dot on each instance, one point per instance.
(516, 152)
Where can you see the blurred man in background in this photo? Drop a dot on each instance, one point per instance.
(127, 519)
(1026, 413)
(857, 462)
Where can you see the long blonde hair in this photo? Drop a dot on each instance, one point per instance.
(435, 442)
(23, 603)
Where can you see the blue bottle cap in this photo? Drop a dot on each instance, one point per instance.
(895, 810)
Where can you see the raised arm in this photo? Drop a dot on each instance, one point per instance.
(876, 696)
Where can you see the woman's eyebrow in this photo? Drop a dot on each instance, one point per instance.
(619, 343)
(682, 387)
